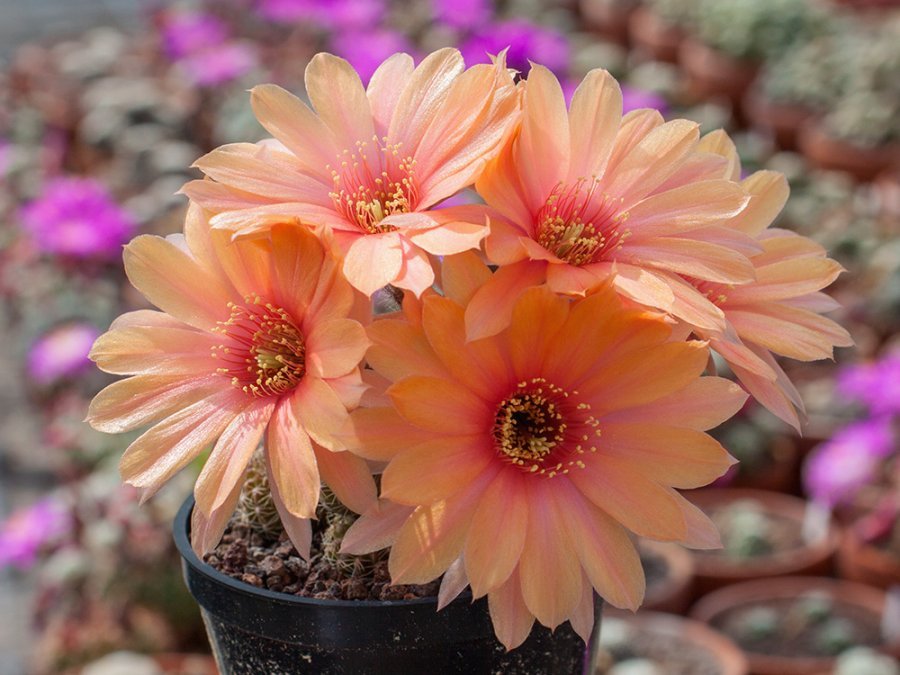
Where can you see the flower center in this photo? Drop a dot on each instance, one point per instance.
(541, 429)
(579, 224)
(372, 183)
(716, 293)
(263, 351)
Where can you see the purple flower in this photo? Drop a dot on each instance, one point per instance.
(462, 14)
(332, 14)
(26, 532)
(184, 33)
(877, 385)
(365, 50)
(60, 353)
(634, 98)
(840, 467)
(525, 40)
(218, 65)
(77, 217)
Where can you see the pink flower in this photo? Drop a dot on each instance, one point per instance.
(27, 531)
(332, 14)
(841, 467)
(464, 14)
(184, 33)
(877, 385)
(77, 217)
(366, 49)
(525, 42)
(61, 353)
(219, 64)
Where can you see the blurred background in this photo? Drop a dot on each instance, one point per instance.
(104, 104)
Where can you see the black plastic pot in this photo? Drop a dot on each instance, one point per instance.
(254, 631)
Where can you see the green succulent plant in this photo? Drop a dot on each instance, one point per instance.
(865, 661)
(681, 13)
(255, 508)
(758, 30)
(849, 74)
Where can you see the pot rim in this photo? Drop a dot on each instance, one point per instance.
(180, 531)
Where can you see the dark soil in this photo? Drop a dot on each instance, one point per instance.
(795, 631)
(674, 656)
(277, 566)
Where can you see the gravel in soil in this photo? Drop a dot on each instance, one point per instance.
(785, 628)
(276, 566)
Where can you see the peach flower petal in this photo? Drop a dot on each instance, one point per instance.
(594, 117)
(490, 309)
(433, 536)
(494, 546)
(548, 554)
(337, 94)
(292, 463)
(230, 456)
(157, 268)
(440, 406)
(170, 445)
(511, 618)
(435, 470)
(349, 478)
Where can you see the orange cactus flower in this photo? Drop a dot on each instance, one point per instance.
(586, 194)
(369, 164)
(253, 344)
(530, 454)
(780, 311)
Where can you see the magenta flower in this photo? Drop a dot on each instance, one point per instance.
(61, 353)
(30, 530)
(366, 49)
(332, 14)
(184, 33)
(77, 217)
(839, 468)
(525, 40)
(218, 65)
(462, 14)
(876, 385)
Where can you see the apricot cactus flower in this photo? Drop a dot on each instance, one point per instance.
(369, 163)
(779, 312)
(532, 453)
(585, 195)
(253, 344)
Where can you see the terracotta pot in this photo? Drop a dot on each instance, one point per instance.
(713, 606)
(675, 592)
(607, 18)
(778, 475)
(186, 664)
(782, 121)
(862, 561)
(712, 73)
(827, 152)
(714, 571)
(727, 656)
(655, 37)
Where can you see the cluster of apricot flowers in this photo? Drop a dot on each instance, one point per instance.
(526, 421)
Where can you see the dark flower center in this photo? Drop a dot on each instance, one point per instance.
(541, 429)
